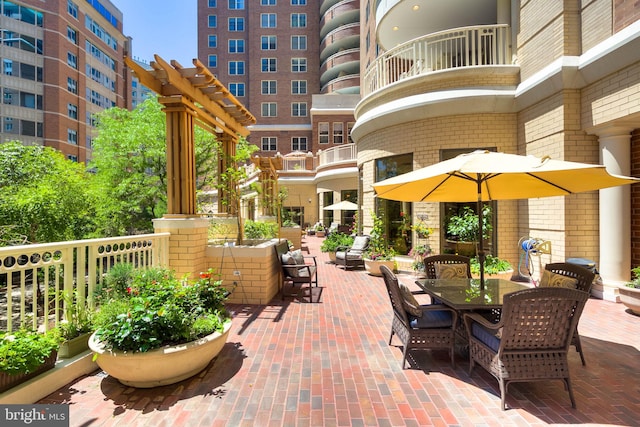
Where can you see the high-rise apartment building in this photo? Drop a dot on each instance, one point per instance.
(62, 62)
(274, 56)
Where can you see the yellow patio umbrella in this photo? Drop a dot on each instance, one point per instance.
(485, 175)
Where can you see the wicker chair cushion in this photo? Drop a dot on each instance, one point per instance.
(554, 280)
(451, 271)
(360, 243)
(297, 258)
(351, 255)
(409, 302)
(490, 338)
(432, 319)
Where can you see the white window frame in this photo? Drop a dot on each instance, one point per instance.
(269, 143)
(298, 87)
(298, 18)
(269, 109)
(298, 65)
(299, 109)
(297, 42)
(270, 62)
(269, 87)
(237, 65)
(268, 20)
(338, 132)
(297, 143)
(268, 42)
(323, 132)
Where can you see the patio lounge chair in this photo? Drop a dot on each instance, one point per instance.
(583, 279)
(296, 269)
(426, 327)
(531, 340)
(350, 257)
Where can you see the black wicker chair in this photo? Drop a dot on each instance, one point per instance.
(531, 340)
(294, 272)
(352, 257)
(430, 262)
(439, 335)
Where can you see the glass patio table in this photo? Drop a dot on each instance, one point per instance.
(466, 294)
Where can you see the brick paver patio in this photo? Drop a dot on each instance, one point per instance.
(293, 363)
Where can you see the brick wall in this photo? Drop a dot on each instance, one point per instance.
(635, 199)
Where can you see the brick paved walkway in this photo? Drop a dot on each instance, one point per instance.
(328, 364)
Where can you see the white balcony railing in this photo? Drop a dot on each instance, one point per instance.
(34, 277)
(345, 153)
(460, 47)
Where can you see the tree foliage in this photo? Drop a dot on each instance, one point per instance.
(44, 195)
(129, 160)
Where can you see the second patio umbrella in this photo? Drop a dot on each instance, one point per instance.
(344, 205)
(484, 176)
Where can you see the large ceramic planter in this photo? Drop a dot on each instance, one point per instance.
(332, 256)
(373, 266)
(630, 297)
(161, 366)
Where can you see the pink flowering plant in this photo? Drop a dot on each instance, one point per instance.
(153, 308)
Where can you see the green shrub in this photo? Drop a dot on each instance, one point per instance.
(260, 230)
(334, 240)
(23, 351)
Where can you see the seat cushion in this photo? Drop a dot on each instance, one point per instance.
(409, 302)
(490, 338)
(308, 271)
(432, 319)
(555, 280)
(451, 271)
(360, 243)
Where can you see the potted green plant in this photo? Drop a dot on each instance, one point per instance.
(76, 327)
(418, 253)
(25, 354)
(334, 241)
(320, 231)
(463, 228)
(421, 230)
(494, 267)
(159, 329)
(379, 252)
(630, 292)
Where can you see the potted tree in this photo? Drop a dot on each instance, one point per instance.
(463, 228)
(158, 329)
(630, 292)
(333, 242)
(379, 252)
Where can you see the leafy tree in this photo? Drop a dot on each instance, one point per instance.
(44, 197)
(129, 159)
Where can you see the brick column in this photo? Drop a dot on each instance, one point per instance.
(187, 244)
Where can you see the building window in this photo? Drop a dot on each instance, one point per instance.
(269, 143)
(28, 128)
(323, 132)
(268, 20)
(213, 3)
(298, 2)
(299, 42)
(212, 21)
(7, 67)
(269, 87)
(268, 65)
(237, 89)
(236, 24)
(338, 132)
(72, 8)
(72, 60)
(268, 42)
(72, 158)
(350, 126)
(72, 85)
(299, 109)
(72, 35)
(299, 65)
(298, 87)
(236, 68)
(236, 4)
(298, 20)
(212, 40)
(236, 46)
(269, 109)
(299, 143)
(213, 61)
(72, 136)
(267, 2)
(72, 111)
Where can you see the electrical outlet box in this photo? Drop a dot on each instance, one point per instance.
(236, 273)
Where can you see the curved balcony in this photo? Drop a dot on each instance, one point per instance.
(330, 23)
(327, 4)
(344, 85)
(345, 37)
(340, 58)
(485, 45)
(345, 69)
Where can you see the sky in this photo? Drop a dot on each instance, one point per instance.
(167, 28)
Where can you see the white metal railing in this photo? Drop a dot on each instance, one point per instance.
(344, 153)
(33, 278)
(460, 47)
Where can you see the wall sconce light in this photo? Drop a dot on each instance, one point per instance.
(309, 200)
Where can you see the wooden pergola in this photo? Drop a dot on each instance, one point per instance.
(192, 96)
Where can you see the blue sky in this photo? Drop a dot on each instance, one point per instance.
(167, 28)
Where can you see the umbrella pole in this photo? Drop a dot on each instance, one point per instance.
(481, 236)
